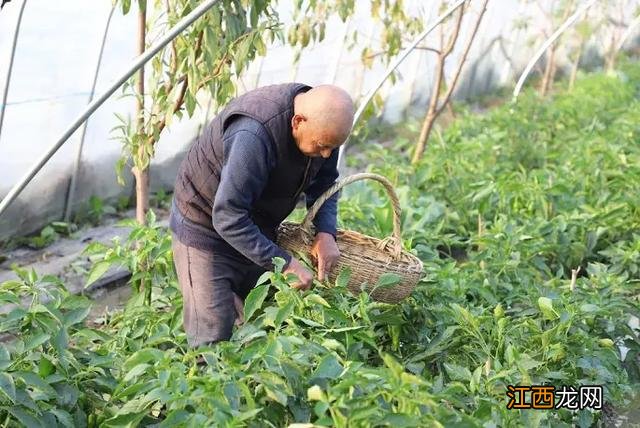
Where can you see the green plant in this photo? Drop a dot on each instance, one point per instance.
(93, 211)
(161, 199)
(45, 379)
(47, 236)
(151, 264)
(531, 278)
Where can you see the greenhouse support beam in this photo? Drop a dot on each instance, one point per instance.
(14, 43)
(93, 106)
(395, 65)
(632, 25)
(568, 23)
(78, 159)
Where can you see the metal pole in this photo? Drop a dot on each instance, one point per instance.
(392, 67)
(570, 21)
(93, 106)
(13, 53)
(632, 25)
(78, 159)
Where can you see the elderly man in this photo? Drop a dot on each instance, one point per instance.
(238, 182)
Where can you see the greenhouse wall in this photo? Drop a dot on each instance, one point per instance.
(54, 67)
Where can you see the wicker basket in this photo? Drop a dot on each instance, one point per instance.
(367, 257)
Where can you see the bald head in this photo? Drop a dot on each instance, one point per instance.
(322, 120)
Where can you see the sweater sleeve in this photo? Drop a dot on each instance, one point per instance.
(249, 157)
(325, 220)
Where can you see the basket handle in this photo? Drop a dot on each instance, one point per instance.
(394, 240)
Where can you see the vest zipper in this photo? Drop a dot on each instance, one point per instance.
(304, 180)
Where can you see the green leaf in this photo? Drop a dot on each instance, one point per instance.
(388, 280)
(329, 368)
(457, 372)
(135, 390)
(318, 300)
(546, 307)
(75, 316)
(9, 296)
(45, 367)
(248, 415)
(129, 419)
(283, 313)
(588, 307)
(135, 372)
(254, 300)
(343, 277)
(67, 394)
(36, 340)
(7, 386)
(143, 356)
(400, 420)
(35, 381)
(60, 344)
(63, 417)
(278, 264)
(276, 394)
(97, 271)
(266, 276)
(126, 5)
(4, 353)
(25, 418)
(176, 418)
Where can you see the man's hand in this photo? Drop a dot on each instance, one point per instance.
(325, 251)
(305, 277)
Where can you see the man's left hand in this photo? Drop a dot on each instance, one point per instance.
(326, 252)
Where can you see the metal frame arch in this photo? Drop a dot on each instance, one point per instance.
(14, 43)
(568, 23)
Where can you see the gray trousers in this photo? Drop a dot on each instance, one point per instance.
(207, 281)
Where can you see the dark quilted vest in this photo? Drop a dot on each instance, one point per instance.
(199, 173)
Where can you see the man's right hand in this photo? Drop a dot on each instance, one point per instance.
(305, 276)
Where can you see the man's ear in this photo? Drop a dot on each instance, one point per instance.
(296, 120)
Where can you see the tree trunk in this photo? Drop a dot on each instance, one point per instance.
(435, 106)
(610, 56)
(141, 177)
(430, 117)
(452, 113)
(550, 70)
(552, 74)
(142, 193)
(574, 67)
(544, 85)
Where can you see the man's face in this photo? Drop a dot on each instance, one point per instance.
(314, 142)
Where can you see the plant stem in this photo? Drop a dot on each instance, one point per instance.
(141, 174)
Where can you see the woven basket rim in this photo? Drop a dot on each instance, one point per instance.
(366, 241)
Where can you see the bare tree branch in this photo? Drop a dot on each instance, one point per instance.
(463, 57)
(183, 90)
(427, 48)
